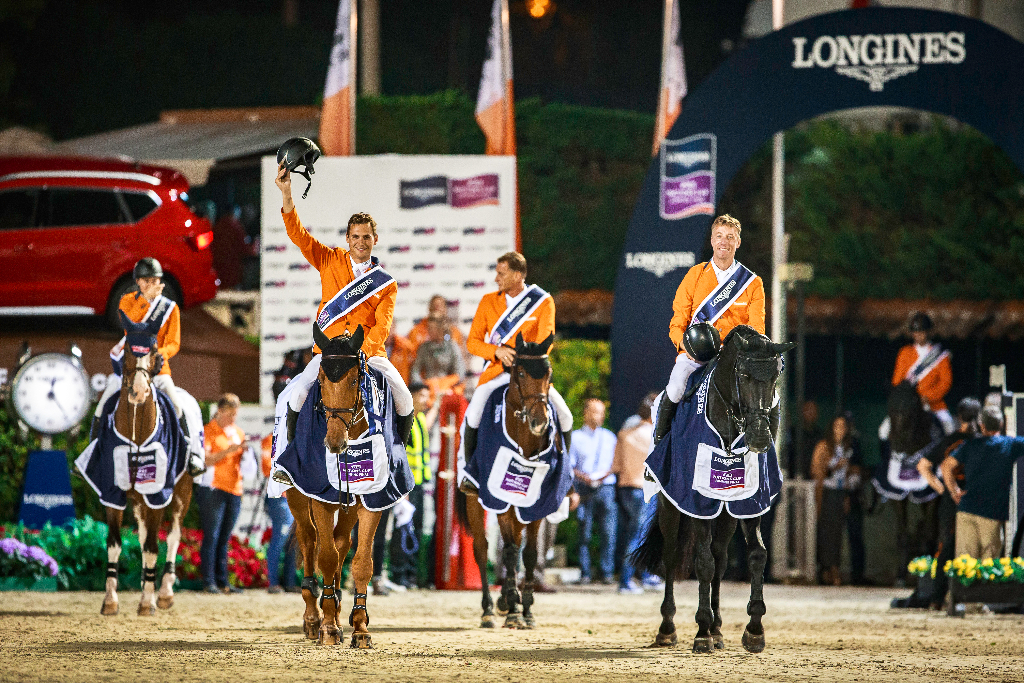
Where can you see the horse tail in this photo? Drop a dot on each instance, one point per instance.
(461, 511)
(649, 554)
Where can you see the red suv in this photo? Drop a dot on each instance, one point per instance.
(71, 229)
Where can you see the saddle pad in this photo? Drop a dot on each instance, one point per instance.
(363, 469)
(516, 480)
(150, 462)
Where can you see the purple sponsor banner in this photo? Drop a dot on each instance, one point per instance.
(146, 474)
(730, 479)
(688, 196)
(358, 470)
(476, 191)
(516, 483)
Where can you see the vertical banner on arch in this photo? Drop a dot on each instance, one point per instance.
(688, 177)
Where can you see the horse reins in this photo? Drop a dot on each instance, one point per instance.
(339, 413)
(739, 416)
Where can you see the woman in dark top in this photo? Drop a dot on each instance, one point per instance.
(837, 473)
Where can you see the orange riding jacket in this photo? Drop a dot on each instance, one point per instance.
(699, 282)
(335, 267)
(535, 329)
(934, 386)
(168, 338)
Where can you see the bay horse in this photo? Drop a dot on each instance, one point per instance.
(527, 419)
(740, 402)
(325, 543)
(912, 428)
(135, 418)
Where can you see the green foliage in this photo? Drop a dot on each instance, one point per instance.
(580, 370)
(883, 214)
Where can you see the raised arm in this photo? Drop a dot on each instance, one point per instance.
(314, 251)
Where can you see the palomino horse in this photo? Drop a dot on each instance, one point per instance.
(324, 543)
(527, 418)
(912, 429)
(136, 418)
(740, 402)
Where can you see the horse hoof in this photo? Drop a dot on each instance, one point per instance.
(528, 622)
(719, 641)
(109, 609)
(512, 621)
(329, 635)
(706, 644)
(663, 640)
(361, 641)
(165, 602)
(147, 610)
(311, 629)
(502, 605)
(487, 621)
(753, 643)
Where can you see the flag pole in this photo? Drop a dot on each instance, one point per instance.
(352, 71)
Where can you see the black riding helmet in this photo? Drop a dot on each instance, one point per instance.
(147, 267)
(297, 152)
(921, 322)
(702, 341)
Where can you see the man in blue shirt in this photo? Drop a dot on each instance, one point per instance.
(591, 454)
(984, 506)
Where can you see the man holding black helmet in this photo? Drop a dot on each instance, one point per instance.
(713, 298)
(370, 303)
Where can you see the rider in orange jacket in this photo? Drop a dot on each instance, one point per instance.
(927, 366)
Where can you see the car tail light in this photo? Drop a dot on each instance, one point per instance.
(202, 240)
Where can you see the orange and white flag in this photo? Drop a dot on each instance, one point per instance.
(673, 75)
(338, 115)
(495, 111)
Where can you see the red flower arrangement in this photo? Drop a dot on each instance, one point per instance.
(247, 567)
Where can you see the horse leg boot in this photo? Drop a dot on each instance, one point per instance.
(469, 446)
(305, 538)
(530, 563)
(704, 564)
(149, 526)
(362, 570)
(668, 524)
(109, 607)
(757, 558)
(330, 565)
(725, 527)
(509, 591)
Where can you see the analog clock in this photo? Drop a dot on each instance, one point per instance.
(51, 393)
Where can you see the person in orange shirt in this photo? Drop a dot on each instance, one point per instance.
(221, 500)
(927, 366)
(496, 346)
(338, 268)
(437, 309)
(718, 294)
(148, 302)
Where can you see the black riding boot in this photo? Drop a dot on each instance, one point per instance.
(666, 412)
(290, 421)
(567, 439)
(405, 426)
(94, 430)
(469, 443)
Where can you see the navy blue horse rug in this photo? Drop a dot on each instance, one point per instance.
(375, 467)
(536, 487)
(159, 462)
(694, 470)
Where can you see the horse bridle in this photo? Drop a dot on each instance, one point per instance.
(742, 414)
(339, 413)
(528, 400)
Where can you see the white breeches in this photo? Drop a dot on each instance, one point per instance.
(304, 382)
(162, 382)
(681, 372)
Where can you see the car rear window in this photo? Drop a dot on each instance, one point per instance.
(139, 204)
(18, 208)
(70, 206)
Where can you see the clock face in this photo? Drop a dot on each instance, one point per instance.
(51, 393)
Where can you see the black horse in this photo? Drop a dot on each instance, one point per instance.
(912, 429)
(740, 401)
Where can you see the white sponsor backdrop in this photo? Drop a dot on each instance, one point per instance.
(441, 247)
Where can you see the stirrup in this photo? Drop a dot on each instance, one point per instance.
(468, 488)
(281, 477)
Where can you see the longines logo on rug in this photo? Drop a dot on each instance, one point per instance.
(459, 193)
(876, 58)
(660, 263)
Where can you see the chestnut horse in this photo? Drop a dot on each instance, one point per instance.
(527, 418)
(324, 542)
(135, 418)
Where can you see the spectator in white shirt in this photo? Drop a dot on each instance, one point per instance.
(591, 455)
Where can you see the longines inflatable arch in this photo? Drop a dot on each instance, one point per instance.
(932, 61)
